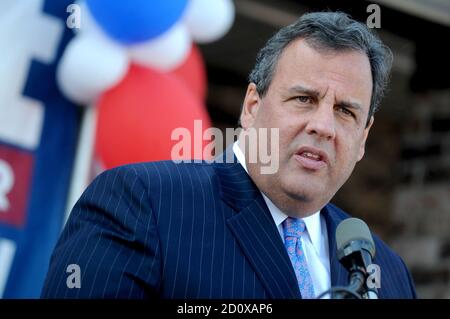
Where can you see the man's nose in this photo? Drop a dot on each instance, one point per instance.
(322, 122)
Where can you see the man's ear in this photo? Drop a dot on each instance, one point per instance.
(362, 147)
(250, 106)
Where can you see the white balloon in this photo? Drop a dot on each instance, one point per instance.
(209, 20)
(89, 66)
(165, 52)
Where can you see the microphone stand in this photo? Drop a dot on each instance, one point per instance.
(356, 262)
(357, 289)
(355, 251)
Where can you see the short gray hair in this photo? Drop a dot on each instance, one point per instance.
(327, 31)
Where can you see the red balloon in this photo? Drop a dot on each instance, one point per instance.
(136, 119)
(193, 73)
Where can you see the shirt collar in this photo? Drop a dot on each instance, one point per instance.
(239, 155)
(313, 223)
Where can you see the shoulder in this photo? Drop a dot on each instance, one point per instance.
(158, 174)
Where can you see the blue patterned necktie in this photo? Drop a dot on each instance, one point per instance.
(293, 229)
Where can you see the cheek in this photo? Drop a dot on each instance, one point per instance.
(266, 117)
(348, 151)
(289, 138)
(287, 128)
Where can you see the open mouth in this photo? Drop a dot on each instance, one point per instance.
(311, 158)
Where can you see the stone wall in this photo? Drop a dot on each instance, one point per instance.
(421, 201)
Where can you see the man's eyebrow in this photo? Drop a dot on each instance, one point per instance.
(351, 105)
(300, 89)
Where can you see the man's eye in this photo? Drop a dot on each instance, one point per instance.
(345, 111)
(304, 99)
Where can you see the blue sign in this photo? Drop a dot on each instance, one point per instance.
(38, 135)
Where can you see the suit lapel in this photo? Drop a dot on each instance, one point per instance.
(257, 235)
(339, 275)
(254, 229)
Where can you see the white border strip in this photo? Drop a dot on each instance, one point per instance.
(7, 251)
(83, 158)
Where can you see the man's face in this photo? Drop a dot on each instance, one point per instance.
(320, 103)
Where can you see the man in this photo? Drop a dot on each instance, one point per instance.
(226, 230)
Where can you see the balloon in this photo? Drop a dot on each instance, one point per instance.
(193, 74)
(165, 52)
(135, 21)
(209, 20)
(88, 23)
(137, 117)
(90, 64)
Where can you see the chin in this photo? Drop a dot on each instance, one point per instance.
(302, 188)
(307, 200)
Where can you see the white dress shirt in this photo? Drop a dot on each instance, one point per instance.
(314, 240)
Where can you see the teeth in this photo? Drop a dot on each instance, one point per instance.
(311, 155)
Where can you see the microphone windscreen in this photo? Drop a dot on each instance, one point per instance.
(354, 229)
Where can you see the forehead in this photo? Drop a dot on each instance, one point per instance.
(347, 72)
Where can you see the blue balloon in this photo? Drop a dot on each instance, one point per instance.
(134, 21)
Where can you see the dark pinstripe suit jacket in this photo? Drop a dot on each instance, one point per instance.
(188, 231)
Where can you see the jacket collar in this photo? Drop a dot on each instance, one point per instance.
(339, 275)
(253, 228)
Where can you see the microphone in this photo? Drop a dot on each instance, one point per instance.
(355, 251)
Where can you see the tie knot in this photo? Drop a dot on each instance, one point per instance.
(293, 227)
